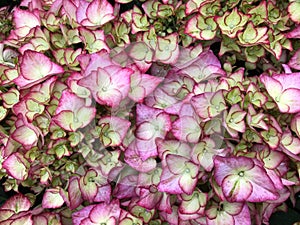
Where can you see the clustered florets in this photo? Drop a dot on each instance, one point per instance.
(149, 112)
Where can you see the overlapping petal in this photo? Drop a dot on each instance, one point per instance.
(113, 130)
(35, 67)
(109, 85)
(98, 214)
(94, 13)
(179, 175)
(284, 89)
(72, 112)
(242, 179)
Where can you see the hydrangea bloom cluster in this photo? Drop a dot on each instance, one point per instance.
(149, 112)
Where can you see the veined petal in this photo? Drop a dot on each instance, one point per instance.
(116, 126)
(273, 86)
(289, 101)
(35, 67)
(187, 129)
(109, 85)
(17, 203)
(16, 166)
(243, 179)
(236, 188)
(52, 199)
(100, 12)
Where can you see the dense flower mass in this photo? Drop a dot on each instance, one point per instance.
(149, 112)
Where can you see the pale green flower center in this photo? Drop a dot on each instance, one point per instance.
(231, 26)
(209, 27)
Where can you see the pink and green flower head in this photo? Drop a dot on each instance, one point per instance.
(284, 90)
(243, 179)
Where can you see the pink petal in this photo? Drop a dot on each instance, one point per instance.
(159, 120)
(81, 8)
(160, 99)
(236, 189)
(117, 125)
(225, 166)
(176, 163)
(133, 158)
(24, 21)
(187, 183)
(187, 129)
(294, 33)
(221, 218)
(169, 183)
(205, 151)
(99, 12)
(149, 199)
(108, 86)
(88, 190)
(263, 187)
(167, 50)
(74, 193)
(52, 199)
(91, 62)
(69, 101)
(295, 60)
(229, 171)
(16, 166)
(290, 101)
(26, 136)
(103, 212)
(72, 112)
(142, 85)
(17, 203)
(288, 80)
(273, 86)
(146, 148)
(69, 9)
(125, 187)
(22, 220)
(207, 66)
(146, 113)
(175, 147)
(35, 67)
(145, 131)
(201, 103)
(82, 214)
(25, 18)
(243, 217)
(276, 179)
